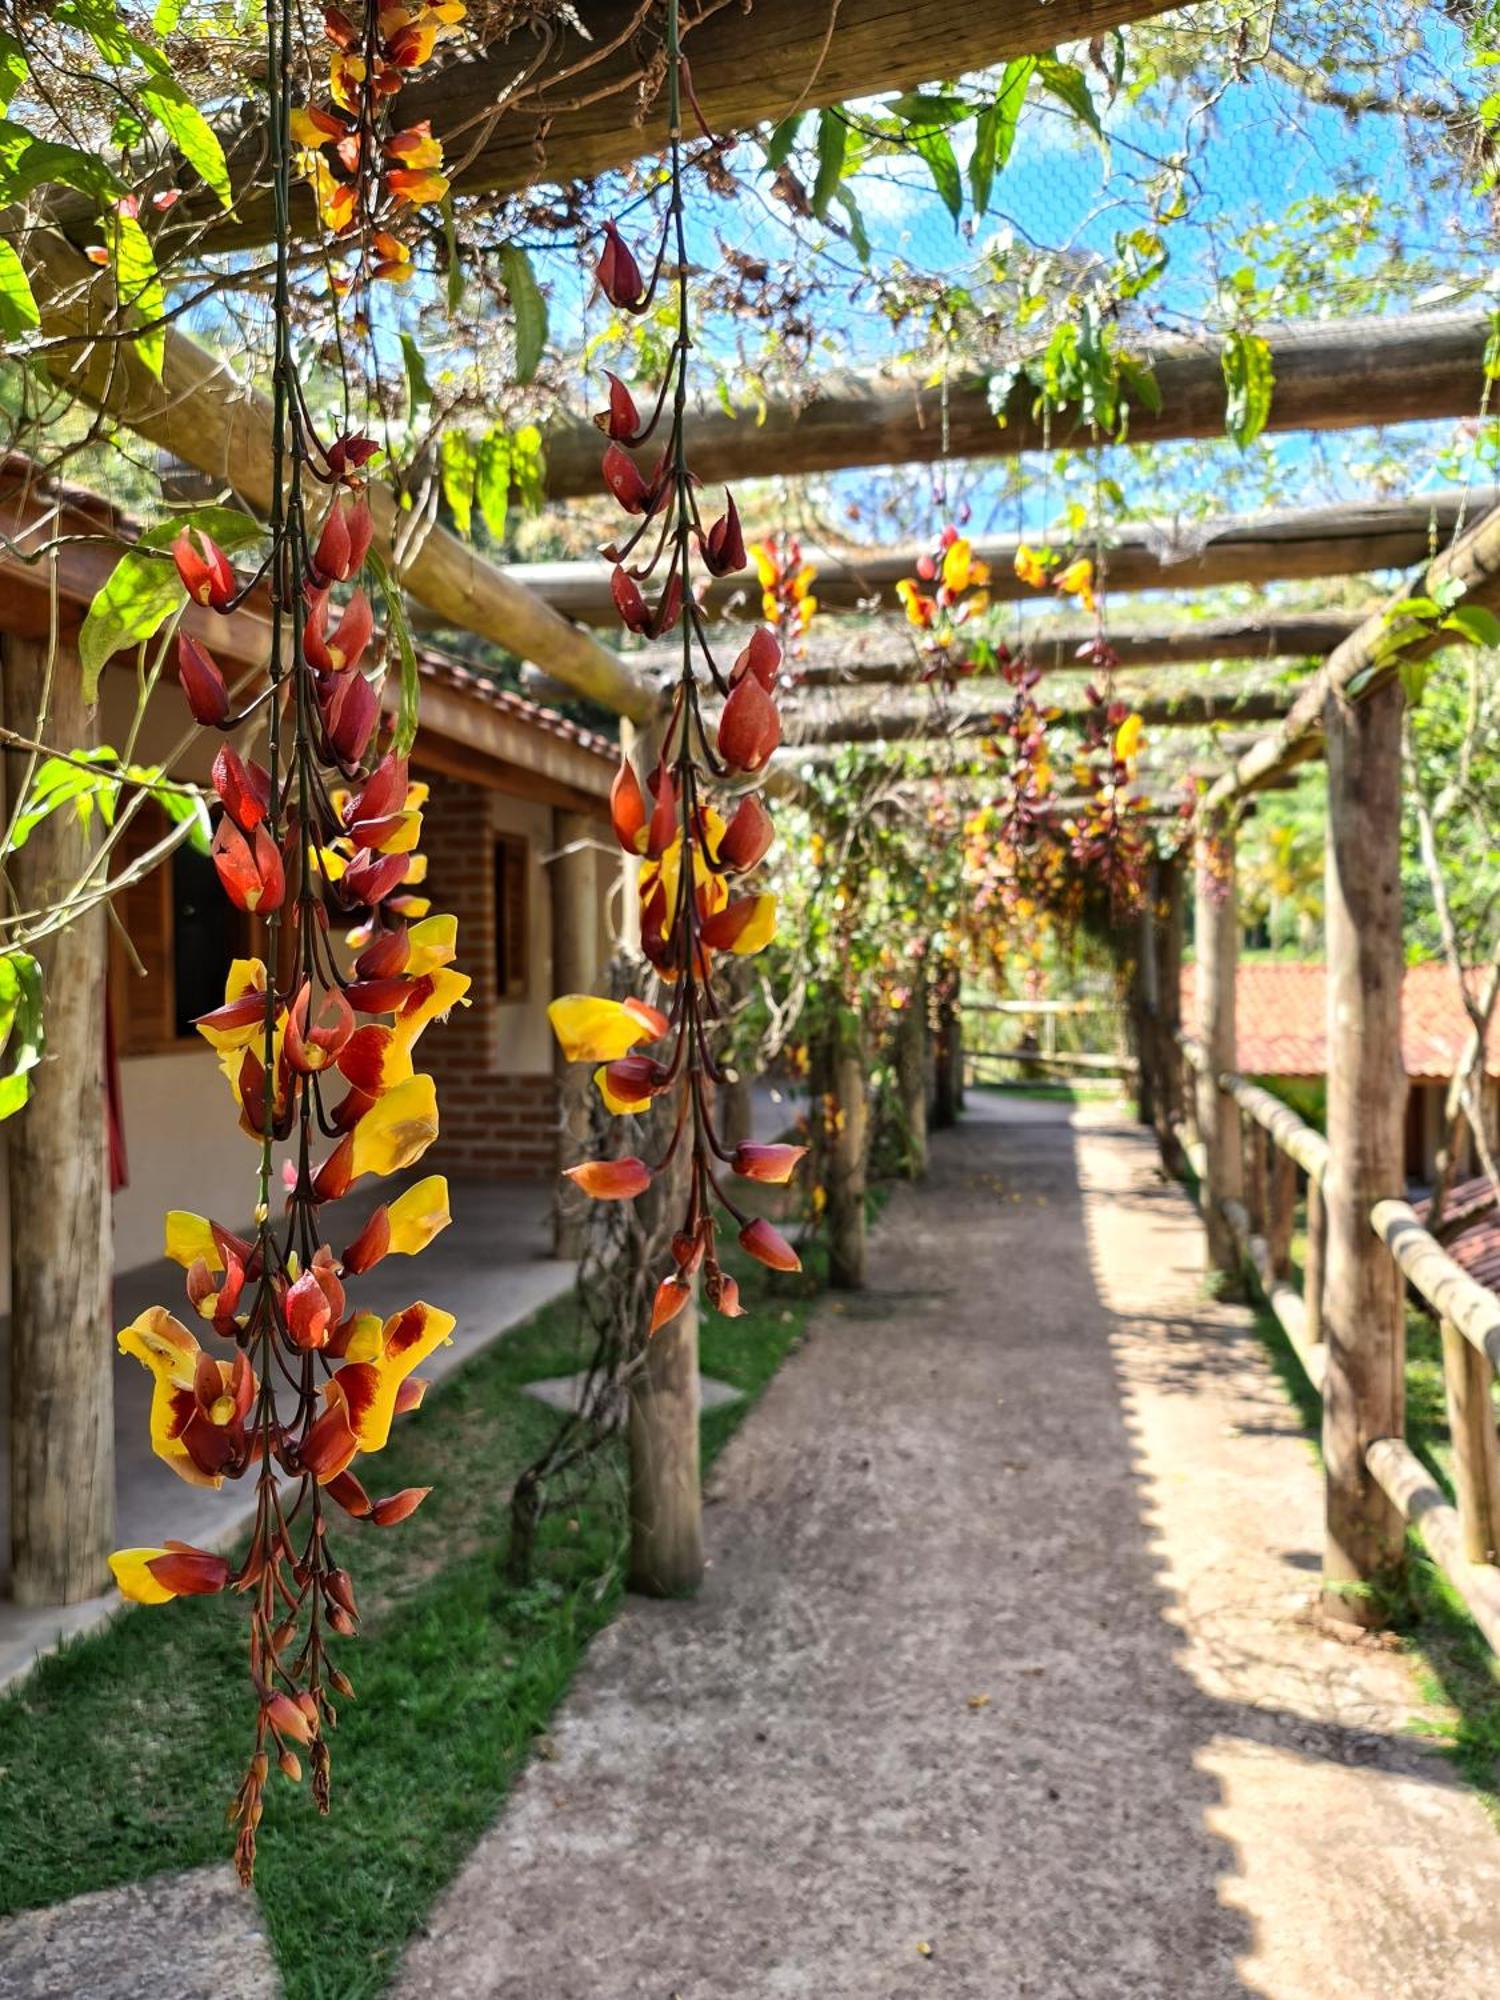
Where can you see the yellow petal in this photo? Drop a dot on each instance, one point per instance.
(416, 1216)
(190, 1237)
(589, 1029)
(134, 1579)
(164, 1346)
(759, 931)
(448, 990)
(618, 1105)
(1128, 738)
(397, 1129)
(407, 1339)
(956, 565)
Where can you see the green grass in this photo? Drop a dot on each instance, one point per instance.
(1086, 1091)
(118, 1755)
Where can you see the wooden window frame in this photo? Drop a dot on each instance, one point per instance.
(512, 915)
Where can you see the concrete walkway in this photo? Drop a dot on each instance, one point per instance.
(1002, 1684)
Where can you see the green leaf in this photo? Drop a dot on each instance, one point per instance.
(1249, 379)
(1474, 623)
(13, 69)
(139, 285)
(783, 138)
(143, 589)
(189, 131)
(492, 480)
(1067, 83)
(27, 163)
(168, 14)
(455, 261)
(410, 699)
(529, 307)
(936, 149)
(918, 107)
(458, 463)
(418, 388)
(21, 1037)
(833, 148)
(18, 309)
(527, 466)
(859, 236)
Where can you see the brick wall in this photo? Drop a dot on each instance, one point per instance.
(494, 1124)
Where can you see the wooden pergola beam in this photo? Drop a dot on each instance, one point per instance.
(906, 725)
(889, 655)
(207, 416)
(581, 104)
(1370, 655)
(1333, 376)
(1289, 543)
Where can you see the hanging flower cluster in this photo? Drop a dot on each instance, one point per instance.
(695, 826)
(273, 1372)
(786, 583)
(365, 175)
(1040, 568)
(948, 590)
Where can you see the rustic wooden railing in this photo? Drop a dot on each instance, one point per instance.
(1280, 1155)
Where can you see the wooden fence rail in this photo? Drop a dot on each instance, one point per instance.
(1277, 1152)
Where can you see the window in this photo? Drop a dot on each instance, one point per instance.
(183, 931)
(512, 869)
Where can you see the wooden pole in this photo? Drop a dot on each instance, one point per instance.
(574, 883)
(947, 1051)
(1281, 1216)
(62, 1461)
(666, 1490)
(846, 1166)
(1328, 377)
(1468, 1380)
(1217, 940)
(1363, 1324)
(834, 723)
(1289, 542)
(1315, 1260)
(1146, 1007)
(1168, 940)
(911, 1079)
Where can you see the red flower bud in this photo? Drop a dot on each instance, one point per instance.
(723, 1292)
(249, 868)
(724, 550)
(747, 839)
(671, 1297)
(634, 611)
(349, 453)
(386, 1513)
(350, 714)
(762, 657)
(204, 569)
(244, 788)
(611, 1180)
(201, 682)
(630, 1078)
(371, 877)
(189, 1572)
(288, 1718)
(668, 606)
(774, 1165)
(768, 1246)
(618, 273)
(627, 808)
(385, 955)
(624, 479)
(663, 828)
(750, 726)
(622, 420)
(307, 1313)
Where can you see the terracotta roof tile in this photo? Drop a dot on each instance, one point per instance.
(1281, 1011)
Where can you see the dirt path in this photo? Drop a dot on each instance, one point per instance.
(1001, 1685)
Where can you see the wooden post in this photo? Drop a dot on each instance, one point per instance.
(1256, 1170)
(1168, 940)
(666, 1495)
(1218, 950)
(948, 1053)
(1468, 1380)
(911, 1080)
(1145, 1009)
(1315, 1260)
(1281, 1212)
(62, 1461)
(1363, 1324)
(574, 883)
(846, 1163)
